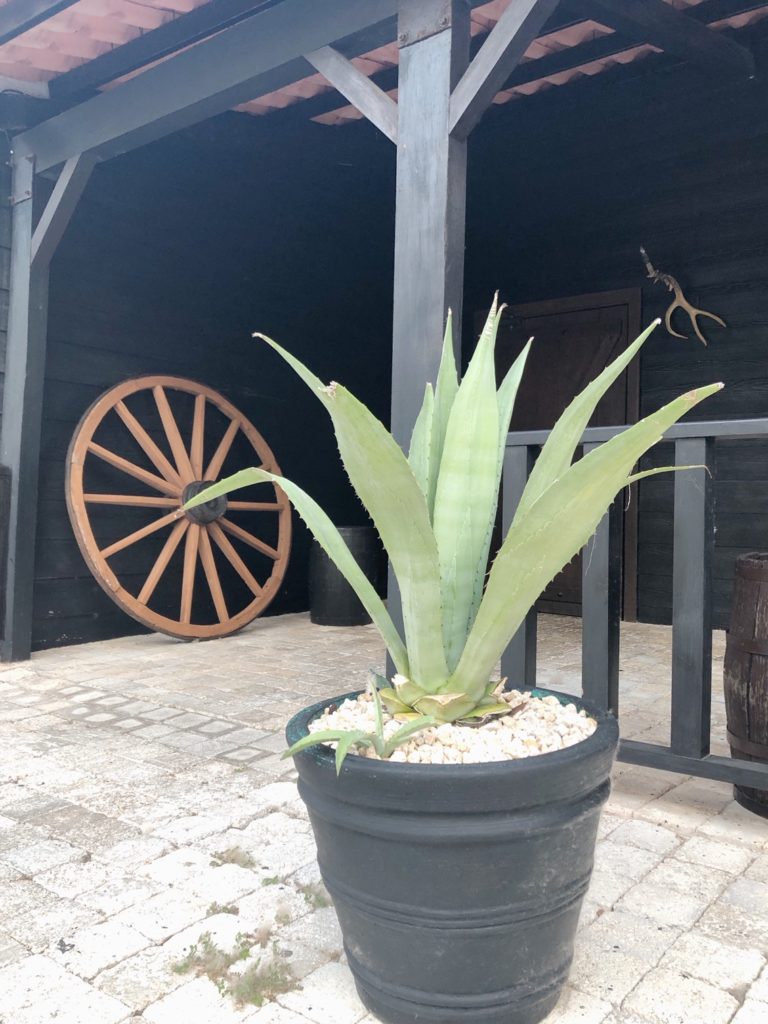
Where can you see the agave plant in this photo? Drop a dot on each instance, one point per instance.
(435, 510)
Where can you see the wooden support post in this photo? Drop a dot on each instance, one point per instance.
(24, 379)
(430, 197)
(22, 405)
(601, 609)
(692, 599)
(518, 662)
(430, 207)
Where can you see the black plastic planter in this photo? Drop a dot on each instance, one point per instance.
(458, 887)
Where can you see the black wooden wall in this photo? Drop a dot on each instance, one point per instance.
(176, 254)
(564, 187)
(180, 250)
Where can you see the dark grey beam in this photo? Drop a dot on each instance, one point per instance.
(601, 610)
(430, 199)
(722, 769)
(18, 16)
(672, 31)
(151, 46)
(370, 100)
(694, 538)
(518, 662)
(744, 429)
(430, 207)
(609, 46)
(60, 207)
(499, 55)
(22, 409)
(251, 58)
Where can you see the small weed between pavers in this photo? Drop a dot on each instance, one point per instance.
(234, 855)
(222, 908)
(261, 982)
(272, 880)
(315, 894)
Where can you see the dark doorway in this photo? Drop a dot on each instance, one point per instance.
(574, 339)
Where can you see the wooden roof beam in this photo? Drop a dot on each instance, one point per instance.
(655, 22)
(18, 16)
(255, 56)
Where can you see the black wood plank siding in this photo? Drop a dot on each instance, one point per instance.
(180, 250)
(175, 255)
(566, 186)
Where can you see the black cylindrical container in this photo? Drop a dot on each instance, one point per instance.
(332, 602)
(458, 887)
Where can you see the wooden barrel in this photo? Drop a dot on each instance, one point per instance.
(745, 676)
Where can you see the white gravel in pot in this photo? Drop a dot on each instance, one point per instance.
(534, 725)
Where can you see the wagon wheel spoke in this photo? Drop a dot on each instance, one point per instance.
(150, 479)
(162, 561)
(248, 538)
(171, 428)
(143, 439)
(255, 506)
(211, 574)
(214, 466)
(221, 539)
(132, 500)
(198, 427)
(188, 578)
(145, 531)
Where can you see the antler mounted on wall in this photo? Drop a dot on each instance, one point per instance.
(679, 301)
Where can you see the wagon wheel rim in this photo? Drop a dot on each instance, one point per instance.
(173, 480)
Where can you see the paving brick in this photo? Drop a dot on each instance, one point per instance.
(197, 1002)
(669, 997)
(752, 1012)
(711, 853)
(726, 966)
(163, 915)
(38, 991)
(141, 979)
(90, 950)
(327, 994)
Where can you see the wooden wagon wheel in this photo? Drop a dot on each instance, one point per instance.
(150, 475)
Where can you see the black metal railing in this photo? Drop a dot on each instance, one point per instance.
(694, 534)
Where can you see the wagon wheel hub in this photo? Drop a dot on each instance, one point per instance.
(209, 511)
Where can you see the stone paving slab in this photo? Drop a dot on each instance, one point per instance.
(149, 828)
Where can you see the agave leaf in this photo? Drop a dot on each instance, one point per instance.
(506, 401)
(661, 469)
(393, 498)
(406, 691)
(405, 732)
(467, 489)
(550, 533)
(331, 541)
(557, 454)
(446, 707)
(487, 711)
(374, 691)
(420, 453)
(393, 704)
(313, 739)
(445, 395)
(350, 739)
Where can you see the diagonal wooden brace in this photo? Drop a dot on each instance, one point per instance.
(59, 208)
(370, 100)
(495, 61)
